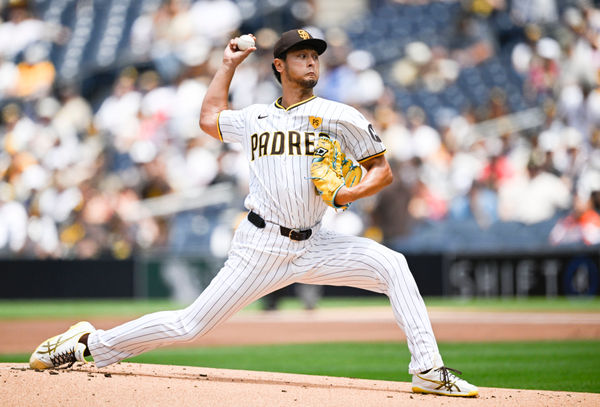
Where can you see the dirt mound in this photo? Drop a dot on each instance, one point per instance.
(130, 384)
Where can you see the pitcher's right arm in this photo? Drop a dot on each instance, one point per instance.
(217, 93)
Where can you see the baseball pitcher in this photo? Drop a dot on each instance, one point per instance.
(298, 150)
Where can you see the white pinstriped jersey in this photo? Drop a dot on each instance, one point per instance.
(279, 145)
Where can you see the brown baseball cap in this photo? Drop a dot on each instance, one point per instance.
(294, 37)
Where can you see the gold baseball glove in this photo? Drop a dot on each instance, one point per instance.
(330, 170)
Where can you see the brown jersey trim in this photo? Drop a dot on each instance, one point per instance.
(371, 156)
(278, 104)
(219, 127)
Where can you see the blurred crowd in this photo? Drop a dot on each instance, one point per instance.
(458, 172)
(77, 167)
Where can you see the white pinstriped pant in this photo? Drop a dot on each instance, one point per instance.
(261, 261)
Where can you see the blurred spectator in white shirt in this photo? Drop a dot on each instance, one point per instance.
(188, 101)
(158, 98)
(368, 85)
(118, 110)
(20, 31)
(215, 19)
(425, 140)
(13, 226)
(161, 34)
(74, 113)
(9, 75)
(533, 197)
(196, 167)
(42, 231)
(18, 129)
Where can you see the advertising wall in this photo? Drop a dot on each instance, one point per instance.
(550, 274)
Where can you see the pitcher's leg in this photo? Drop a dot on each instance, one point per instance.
(239, 282)
(411, 314)
(215, 304)
(363, 263)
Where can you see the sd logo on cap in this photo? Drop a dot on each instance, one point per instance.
(292, 38)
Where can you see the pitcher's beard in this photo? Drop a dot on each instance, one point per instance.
(308, 83)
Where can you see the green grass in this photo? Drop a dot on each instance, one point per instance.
(60, 309)
(77, 309)
(565, 366)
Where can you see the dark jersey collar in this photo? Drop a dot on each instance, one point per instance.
(278, 103)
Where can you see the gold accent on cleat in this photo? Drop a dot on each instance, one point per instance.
(36, 364)
(423, 391)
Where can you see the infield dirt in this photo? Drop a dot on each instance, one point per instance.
(129, 384)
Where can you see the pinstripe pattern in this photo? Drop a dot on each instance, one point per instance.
(239, 283)
(261, 260)
(359, 262)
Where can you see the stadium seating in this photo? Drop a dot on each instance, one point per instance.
(98, 47)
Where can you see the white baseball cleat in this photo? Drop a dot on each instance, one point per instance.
(62, 349)
(442, 381)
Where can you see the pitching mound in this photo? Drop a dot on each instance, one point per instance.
(130, 384)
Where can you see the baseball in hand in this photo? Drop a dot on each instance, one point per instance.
(244, 42)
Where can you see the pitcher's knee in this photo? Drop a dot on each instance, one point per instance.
(396, 266)
(187, 329)
(394, 259)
